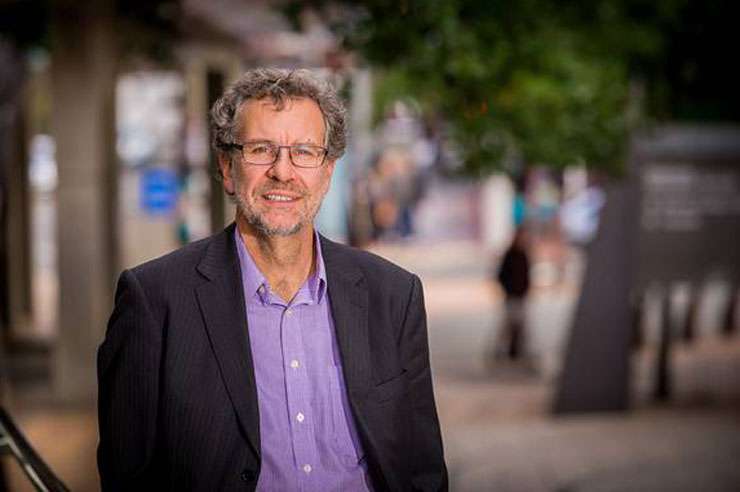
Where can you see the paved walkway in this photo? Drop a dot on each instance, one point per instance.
(498, 431)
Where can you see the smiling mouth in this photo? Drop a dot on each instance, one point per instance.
(275, 197)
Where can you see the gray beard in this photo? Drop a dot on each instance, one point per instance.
(255, 220)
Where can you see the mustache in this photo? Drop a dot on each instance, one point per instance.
(263, 190)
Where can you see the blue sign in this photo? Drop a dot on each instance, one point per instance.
(159, 190)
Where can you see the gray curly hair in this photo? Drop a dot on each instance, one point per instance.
(278, 85)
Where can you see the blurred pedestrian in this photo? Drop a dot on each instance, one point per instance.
(385, 196)
(513, 275)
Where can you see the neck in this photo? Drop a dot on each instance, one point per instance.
(285, 261)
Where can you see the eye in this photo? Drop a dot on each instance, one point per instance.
(303, 151)
(307, 151)
(259, 149)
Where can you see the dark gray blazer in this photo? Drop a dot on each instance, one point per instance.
(177, 397)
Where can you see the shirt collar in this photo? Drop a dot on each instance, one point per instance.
(256, 286)
(317, 281)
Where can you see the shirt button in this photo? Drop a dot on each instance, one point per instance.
(288, 312)
(300, 417)
(307, 468)
(295, 364)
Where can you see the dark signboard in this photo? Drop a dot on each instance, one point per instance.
(675, 217)
(689, 215)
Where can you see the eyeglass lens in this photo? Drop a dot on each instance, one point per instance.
(268, 153)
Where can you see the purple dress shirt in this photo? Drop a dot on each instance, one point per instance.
(307, 433)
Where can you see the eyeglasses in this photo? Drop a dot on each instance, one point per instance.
(267, 153)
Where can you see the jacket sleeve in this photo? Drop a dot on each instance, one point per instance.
(128, 380)
(429, 470)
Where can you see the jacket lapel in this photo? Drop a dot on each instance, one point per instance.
(221, 301)
(349, 306)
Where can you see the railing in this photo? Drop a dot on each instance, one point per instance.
(13, 442)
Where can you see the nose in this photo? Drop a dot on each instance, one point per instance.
(282, 169)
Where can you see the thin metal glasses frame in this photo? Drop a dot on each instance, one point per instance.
(240, 147)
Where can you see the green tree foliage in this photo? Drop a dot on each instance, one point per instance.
(547, 81)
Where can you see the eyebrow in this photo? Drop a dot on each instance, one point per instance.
(260, 140)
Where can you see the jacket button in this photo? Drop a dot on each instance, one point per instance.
(248, 475)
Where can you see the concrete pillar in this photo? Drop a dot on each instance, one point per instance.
(361, 144)
(15, 270)
(359, 156)
(215, 84)
(83, 72)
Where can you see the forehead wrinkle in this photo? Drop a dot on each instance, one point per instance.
(304, 131)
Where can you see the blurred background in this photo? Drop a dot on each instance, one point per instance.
(564, 177)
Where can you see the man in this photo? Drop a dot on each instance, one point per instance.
(267, 357)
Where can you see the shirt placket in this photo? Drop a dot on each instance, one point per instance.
(297, 387)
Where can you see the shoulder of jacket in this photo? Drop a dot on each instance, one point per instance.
(373, 266)
(181, 260)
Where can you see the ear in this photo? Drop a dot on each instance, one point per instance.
(329, 167)
(224, 166)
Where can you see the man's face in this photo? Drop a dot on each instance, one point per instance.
(278, 200)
